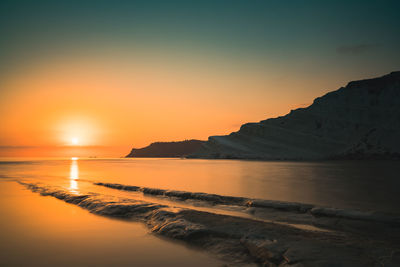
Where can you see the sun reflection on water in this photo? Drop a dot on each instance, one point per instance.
(74, 175)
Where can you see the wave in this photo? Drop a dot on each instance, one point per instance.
(236, 239)
(11, 162)
(314, 210)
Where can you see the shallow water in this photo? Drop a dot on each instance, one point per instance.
(43, 231)
(366, 185)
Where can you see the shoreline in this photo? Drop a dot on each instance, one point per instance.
(38, 231)
(247, 240)
(315, 210)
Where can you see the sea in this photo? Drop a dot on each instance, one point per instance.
(45, 231)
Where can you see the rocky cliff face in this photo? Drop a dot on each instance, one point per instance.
(361, 120)
(166, 149)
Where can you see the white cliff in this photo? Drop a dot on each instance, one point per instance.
(361, 120)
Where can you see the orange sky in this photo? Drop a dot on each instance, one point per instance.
(131, 100)
(123, 99)
(123, 75)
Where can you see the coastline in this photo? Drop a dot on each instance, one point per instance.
(249, 240)
(48, 232)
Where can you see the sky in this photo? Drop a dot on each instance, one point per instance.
(112, 75)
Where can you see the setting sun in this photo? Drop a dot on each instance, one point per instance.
(74, 141)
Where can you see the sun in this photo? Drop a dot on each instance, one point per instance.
(74, 141)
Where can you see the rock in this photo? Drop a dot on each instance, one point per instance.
(166, 149)
(269, 252)
(359, 121)
(241, 240)
(214, 199)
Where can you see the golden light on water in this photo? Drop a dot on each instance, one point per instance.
(74, 175)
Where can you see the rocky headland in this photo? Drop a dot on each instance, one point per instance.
(166, 149)
(358, 121)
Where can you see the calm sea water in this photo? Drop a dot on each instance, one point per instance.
(366, 185)
(44, 231)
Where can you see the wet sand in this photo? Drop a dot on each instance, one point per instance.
(44, 231)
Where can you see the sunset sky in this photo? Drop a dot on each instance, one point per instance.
(123, 74)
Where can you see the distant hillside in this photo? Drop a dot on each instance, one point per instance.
(361, 121)
(166, 149)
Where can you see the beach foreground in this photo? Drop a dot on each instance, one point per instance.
(38, 231)
(289, 237)
(217, 228)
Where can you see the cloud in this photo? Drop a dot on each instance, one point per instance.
(356, 49)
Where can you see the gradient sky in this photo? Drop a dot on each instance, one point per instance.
(123, 74)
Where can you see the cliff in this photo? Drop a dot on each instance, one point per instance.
(361, 120)
(166, 149)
